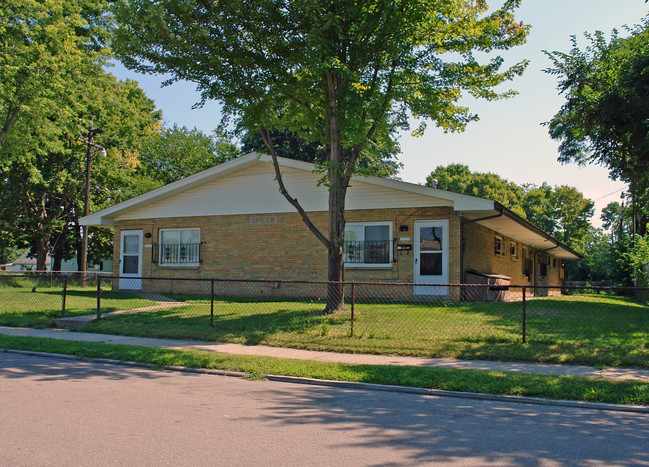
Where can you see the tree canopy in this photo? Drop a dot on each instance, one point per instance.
(177, 152)
(44, 46)
(605, 118)
(287, 144)
(561, 211)
(41, 190)
(53, 82)
(460, 179)
(341, 74)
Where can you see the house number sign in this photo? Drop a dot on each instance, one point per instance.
(263, 220)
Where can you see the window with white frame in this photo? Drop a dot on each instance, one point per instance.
(179, 247)
(368, 244)
(499, 246)
(513, 250)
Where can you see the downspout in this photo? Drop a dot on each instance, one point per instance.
(462, 242)
(543, 251)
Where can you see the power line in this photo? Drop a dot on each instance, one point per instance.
(605, 196)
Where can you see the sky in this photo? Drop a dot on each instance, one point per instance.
(509, 139)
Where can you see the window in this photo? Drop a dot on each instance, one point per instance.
(513, 250)
(528, 264)
(499, 246)
(368, 244)
(179, 246)
(544, 270)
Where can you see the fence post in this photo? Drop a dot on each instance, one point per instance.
(65, 292)
(212, 303)
(351, 332)
(98, 297)
(524, 316)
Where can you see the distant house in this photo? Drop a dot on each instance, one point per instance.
(24, 263)
(70, 265)
(230, 221)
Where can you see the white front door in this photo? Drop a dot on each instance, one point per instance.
(130, 261)
(431, 257)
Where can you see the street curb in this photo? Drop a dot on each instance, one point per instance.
(462, 395)
(356, 385)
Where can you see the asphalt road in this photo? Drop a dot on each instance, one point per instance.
(63, 412)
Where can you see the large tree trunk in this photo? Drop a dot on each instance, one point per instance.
(57, 264)
(339, 173)
(57, 255)
(59, 247)
(335, 258)
(41, 258)
(338, 181)
(335, 276)
(41, 246)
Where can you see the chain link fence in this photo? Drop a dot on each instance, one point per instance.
(599, 324)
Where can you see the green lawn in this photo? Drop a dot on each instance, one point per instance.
(580, 329)
(32, 303)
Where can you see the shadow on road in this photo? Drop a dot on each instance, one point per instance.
(443, 429)
(53, 369)
(421, 429)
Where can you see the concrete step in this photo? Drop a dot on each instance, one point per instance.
(161, 301)
(74, 322)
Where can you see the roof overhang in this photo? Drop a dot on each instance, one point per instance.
(488, 213)
(507, 223)
(106, 217)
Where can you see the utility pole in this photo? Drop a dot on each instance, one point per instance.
(83, 259)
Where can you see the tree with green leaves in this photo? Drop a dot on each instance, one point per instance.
(44, 46)
(605, 118)
(618, 222)
(344, 75)
(289, 145)
(177, 152)
(42, 188)
(570, 213)
(617, 219)
(598, 260)
(561, 211)
(460, 179)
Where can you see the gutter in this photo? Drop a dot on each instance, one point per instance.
(515, 217)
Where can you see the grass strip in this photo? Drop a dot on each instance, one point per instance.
(486, 382)
(584, 330)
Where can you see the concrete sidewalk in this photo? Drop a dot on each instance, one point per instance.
(353, 359)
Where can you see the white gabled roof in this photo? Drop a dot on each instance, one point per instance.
(247, 185)
(292, 170)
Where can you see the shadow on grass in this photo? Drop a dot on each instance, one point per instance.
(28, 308)
(191, 323)
(577, 330)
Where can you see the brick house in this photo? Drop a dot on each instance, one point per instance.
(231, 222)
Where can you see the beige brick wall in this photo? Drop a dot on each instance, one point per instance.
(480, 256)
(235, 247)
